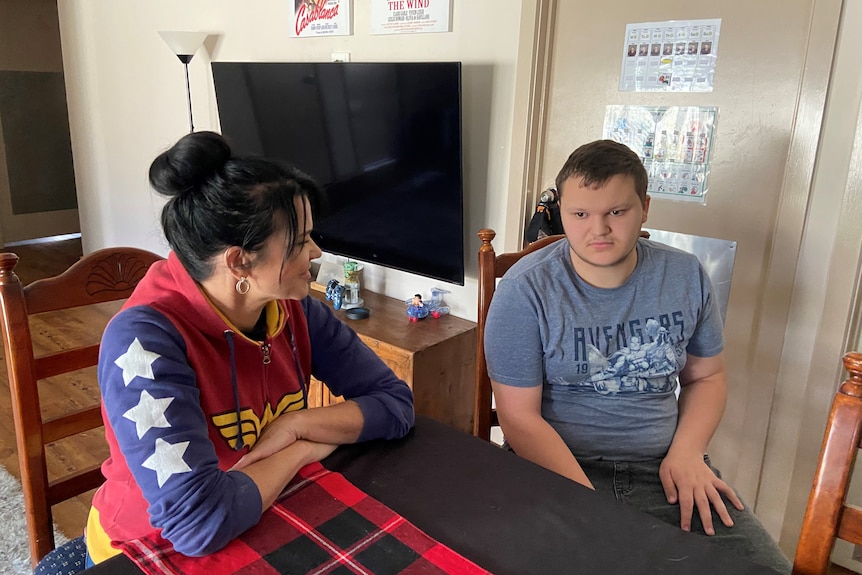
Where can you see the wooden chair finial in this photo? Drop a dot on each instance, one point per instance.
(853, 364)
(8, 260)
(487, 236)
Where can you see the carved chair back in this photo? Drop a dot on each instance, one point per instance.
(102, 276)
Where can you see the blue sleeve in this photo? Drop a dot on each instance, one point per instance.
(150, 397)
(708, 337)
(351, 369)
(513, 342)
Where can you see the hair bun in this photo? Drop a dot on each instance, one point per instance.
(193, 160)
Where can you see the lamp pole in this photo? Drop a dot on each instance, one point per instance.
(185, 59)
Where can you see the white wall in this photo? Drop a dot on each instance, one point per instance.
(127, 103)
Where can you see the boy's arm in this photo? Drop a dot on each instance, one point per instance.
(687, 479)
(519, 411)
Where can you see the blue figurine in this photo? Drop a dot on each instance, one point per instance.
(437, 306)
(417, 310)
(335, 293)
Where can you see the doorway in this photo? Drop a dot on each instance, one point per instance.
(37, 179)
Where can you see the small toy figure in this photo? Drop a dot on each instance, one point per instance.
(335, 293)
(417, 310)
(437, 306)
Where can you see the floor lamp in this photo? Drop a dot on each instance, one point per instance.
(184, 45)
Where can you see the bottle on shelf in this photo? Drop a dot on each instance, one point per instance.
(351, 285)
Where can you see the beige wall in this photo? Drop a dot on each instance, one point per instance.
(127, 103)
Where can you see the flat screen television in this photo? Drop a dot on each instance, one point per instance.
(384, 141)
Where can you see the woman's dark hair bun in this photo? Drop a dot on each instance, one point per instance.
(193, 160)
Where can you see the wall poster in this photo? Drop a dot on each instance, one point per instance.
(673, 56)
(674, 142)
(319, 18)
(409, 16)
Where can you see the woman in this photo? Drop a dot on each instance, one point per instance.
(216, 346)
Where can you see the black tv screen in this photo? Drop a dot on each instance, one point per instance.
(384, 141)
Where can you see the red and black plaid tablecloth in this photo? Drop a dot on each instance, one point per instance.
(322, 525)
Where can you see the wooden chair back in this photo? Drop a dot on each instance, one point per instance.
(491, 268)
(827, 516)
(103, 276)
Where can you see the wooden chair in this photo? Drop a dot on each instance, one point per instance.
(491, 268)
(827, 517)
(103, 276)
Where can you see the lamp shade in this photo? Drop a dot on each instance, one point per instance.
(183, 43)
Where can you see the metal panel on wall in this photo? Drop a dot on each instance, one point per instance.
(715, 255)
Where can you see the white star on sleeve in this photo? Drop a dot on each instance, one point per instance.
(149, 413)
(136, 362)
(167, 460)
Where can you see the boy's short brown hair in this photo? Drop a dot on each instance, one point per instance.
(599, 161)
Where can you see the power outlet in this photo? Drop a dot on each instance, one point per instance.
(341, 56)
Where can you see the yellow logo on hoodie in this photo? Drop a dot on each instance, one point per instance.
(252, 425)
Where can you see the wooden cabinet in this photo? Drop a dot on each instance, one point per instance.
(436, 357)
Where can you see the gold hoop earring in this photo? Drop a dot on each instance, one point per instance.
(242, 286)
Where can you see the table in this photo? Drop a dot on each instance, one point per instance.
(510, 516)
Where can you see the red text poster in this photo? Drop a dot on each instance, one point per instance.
(319, 18)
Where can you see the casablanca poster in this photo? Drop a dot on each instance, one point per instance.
(409, 16)
(319, 18)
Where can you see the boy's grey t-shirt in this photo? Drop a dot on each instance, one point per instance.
(608, 358)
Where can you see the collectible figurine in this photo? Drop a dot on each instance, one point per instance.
(437, 306)
(335, 293)
(417, 310)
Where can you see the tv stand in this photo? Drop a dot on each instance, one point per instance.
(436, 357)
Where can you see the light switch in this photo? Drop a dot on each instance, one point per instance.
(341, 56)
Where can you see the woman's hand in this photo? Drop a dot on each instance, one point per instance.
(278, 435)
(271, 474)
(333, 425)
(312, 451)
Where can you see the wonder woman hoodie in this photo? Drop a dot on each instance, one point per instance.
(185, 394)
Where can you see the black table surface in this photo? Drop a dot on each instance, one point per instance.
(510, 516)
